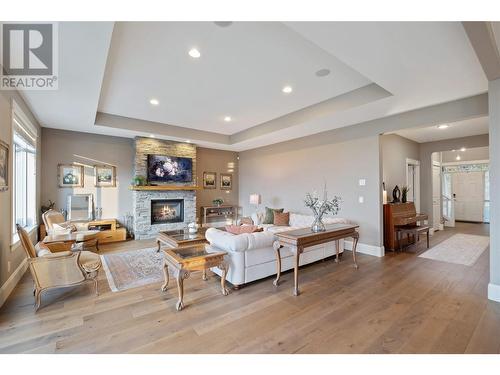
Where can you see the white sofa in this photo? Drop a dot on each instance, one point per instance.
(251, 256)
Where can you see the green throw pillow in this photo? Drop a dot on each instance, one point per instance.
(269, 219)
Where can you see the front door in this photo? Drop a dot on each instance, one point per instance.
(468, 189)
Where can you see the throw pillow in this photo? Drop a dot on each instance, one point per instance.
(269, 218)
(239, 229)
(281, 218)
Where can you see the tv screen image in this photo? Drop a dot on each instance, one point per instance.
(163, 168)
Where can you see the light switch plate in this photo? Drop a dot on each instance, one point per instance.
(361, 199)
(362, 182)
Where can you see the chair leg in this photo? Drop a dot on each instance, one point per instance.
(96, 286)
(38, 299)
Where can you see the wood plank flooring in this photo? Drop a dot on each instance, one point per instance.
(396, 304)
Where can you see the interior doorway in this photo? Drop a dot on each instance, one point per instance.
(413, 182)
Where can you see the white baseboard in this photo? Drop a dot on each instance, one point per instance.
(494, 292)
(12, 281)
(377, 251)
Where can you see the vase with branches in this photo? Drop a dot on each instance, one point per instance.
(320, 207)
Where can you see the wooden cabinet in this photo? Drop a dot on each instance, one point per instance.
(110, 231)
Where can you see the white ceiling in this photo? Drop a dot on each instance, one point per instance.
(241, 73)
(242, 70)
(458, 129)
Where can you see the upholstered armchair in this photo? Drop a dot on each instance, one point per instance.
(58, 270)
(55, 224)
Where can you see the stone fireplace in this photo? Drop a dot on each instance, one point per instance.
(153, 209)
(167, 211)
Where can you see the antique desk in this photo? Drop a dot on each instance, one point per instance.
(298, 240)
(181, 261)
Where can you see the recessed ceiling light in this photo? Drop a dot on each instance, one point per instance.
(287, 89)
(227, 119)
(223, 23)
(188, 141)
(463, 149)
(453, 150)
(443, 126)
(151, 136)
(154, 101)
(194, 53)
(323, 72)
(458, 157)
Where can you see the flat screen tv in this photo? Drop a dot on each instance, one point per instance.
(169, 169)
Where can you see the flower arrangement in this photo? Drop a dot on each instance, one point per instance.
(321, 207)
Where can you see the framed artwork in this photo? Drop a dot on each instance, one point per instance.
(105, 176)
(4, 166)
(70, 175)
(209, 180)
(226, 181)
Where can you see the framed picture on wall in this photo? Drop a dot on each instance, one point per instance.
(209, 180)
(226, 181)
(70, 175)
(105, 176)
(4, 166)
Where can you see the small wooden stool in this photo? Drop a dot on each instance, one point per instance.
(414, 230)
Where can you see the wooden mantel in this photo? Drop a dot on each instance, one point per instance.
(163, 187)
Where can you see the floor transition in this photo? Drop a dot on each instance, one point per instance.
(396, 304)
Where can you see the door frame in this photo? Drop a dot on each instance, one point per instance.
(416, 185)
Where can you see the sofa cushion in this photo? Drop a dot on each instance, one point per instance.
(281, 218)
(258, 218)
(259, 240)
(269, 218)
(227, 241)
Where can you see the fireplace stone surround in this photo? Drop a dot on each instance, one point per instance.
(143, 228)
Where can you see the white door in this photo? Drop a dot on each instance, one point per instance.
(436, 197)
(448, 201)
(468, 190)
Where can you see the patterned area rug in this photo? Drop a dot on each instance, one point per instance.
(132, 269)
(460, 249)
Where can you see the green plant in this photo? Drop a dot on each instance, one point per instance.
(139, 181)
(218, 201)
(404, 193)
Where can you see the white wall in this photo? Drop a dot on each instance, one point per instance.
(283, 173)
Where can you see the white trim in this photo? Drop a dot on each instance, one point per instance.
(12, 281)
(376, 251)
(494, 292)
(466, 162)
(20, 116)
(416, 186)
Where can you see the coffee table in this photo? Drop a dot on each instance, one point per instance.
(297, 240)
(181, 261)
(181, 237)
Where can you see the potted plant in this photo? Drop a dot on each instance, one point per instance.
(404, 194)
(139, 181)
(218, 202)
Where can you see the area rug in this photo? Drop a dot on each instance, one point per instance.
(132, 269)
(460, 249)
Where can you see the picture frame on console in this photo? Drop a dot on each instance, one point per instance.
(209, 180)
(70, 175)
(4, 166)
(226, 181)
(104, 176)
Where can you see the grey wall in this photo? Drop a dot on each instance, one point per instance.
(219, 161)
(395, 151)
(471, 154)
(426, 150)
(11, 257)
(64, 147)
(285, 172)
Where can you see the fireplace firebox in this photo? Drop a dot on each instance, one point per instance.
(166, 211)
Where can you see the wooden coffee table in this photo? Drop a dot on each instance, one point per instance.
(297, 240)
(181, 261)
(181, 238)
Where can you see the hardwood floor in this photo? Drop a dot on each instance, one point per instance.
(396, 304)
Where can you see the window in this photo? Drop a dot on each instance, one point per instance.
(24, 172)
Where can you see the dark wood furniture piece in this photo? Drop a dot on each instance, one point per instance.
(181, 238)
(399, 214)
(297, 240)
(183, 260)
(411, 230)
